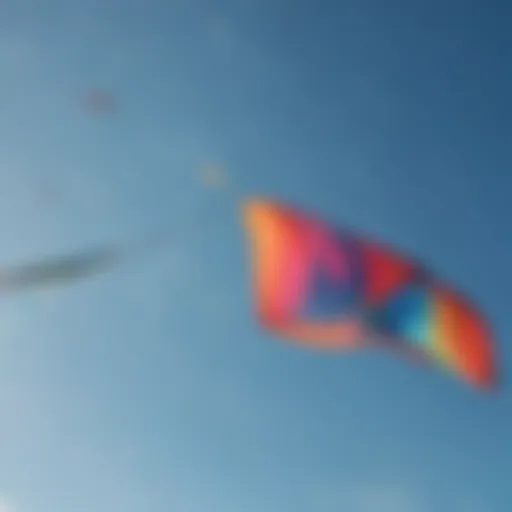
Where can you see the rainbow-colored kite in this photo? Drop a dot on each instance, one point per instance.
(330, 288)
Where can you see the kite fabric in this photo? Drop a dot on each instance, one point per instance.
(331, 288)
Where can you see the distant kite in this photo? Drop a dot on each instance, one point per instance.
(100, 102)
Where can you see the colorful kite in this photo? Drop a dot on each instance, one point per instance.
(331, 288)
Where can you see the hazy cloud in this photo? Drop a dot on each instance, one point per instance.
(6, 505)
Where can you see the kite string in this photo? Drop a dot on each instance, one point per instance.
(217, 177)
(81, 264)
(201, 222)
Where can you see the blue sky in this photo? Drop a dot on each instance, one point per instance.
(152, 388)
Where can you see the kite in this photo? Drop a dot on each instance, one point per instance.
(100, 102)
(331, 288)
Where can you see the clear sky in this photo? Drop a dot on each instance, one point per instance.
(152, 388)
